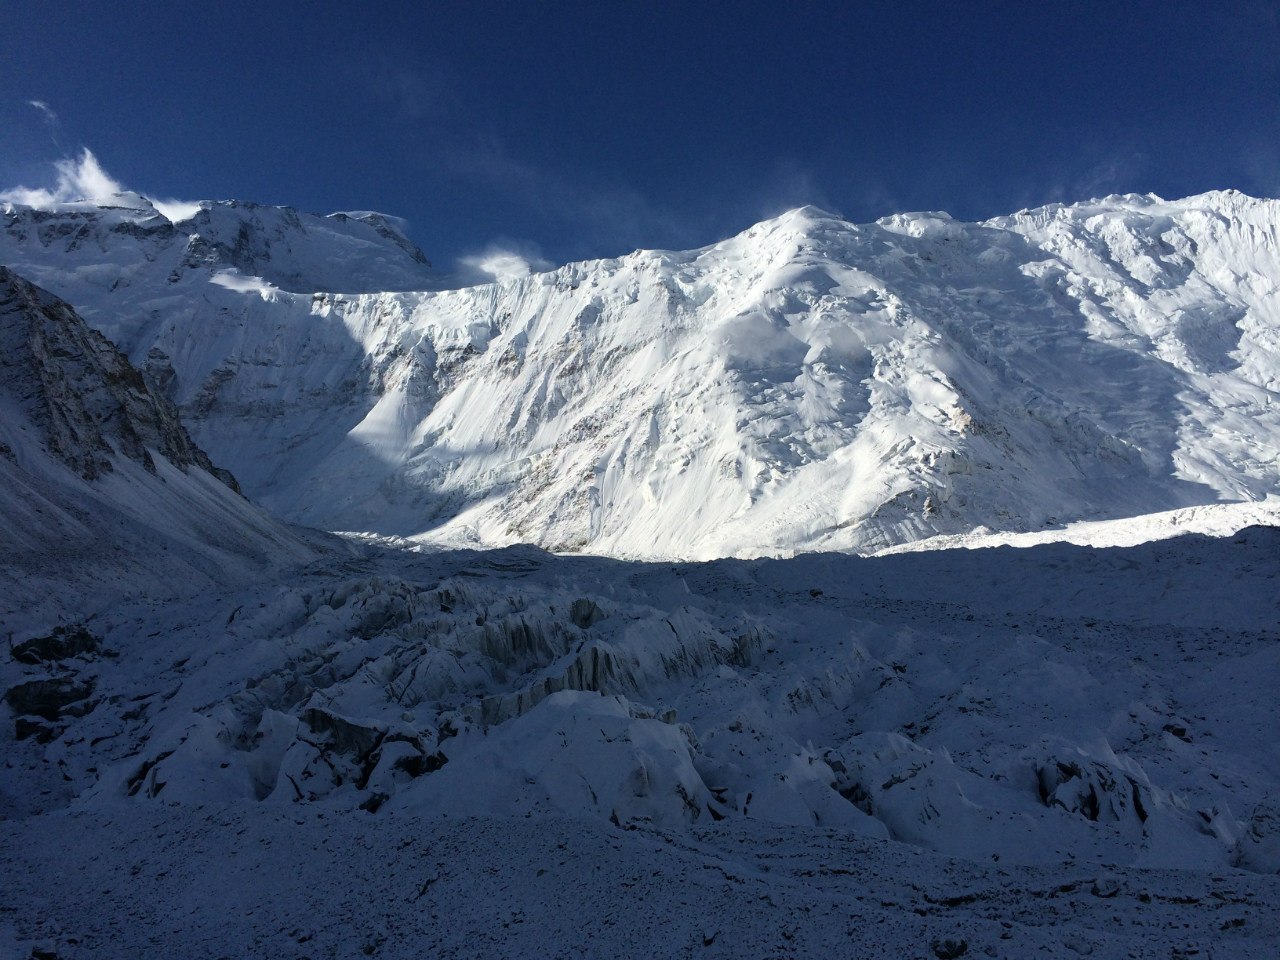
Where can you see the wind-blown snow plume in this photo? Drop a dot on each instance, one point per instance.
(44, 108)
(502, 262)
(51, 120)
(78, 179)
(83, 178)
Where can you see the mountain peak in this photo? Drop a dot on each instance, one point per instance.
(811, 211)
(119, 238)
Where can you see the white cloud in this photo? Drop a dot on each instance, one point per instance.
(502, 262)
(78, 179)
(50, 117)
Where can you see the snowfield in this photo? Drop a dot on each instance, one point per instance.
(580, 680)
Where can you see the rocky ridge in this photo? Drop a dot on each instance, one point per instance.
(102, 490)
(89, 401)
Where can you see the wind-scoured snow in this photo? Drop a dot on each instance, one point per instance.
(808, 384)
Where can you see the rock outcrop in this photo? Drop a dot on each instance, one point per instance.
(90, 403)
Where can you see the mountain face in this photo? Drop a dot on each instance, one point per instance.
(808, 384)
(1063, 750)
(101, 487)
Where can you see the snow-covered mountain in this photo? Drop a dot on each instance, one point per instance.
(102, 492)
(808, 384)
(126, 242)
(947, 752)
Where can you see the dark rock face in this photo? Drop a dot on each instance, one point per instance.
(63, 644)
(90, 402)
(49, 699)
(1094, 790)
(949, 949)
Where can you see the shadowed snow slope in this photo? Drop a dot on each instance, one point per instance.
(808, 384)
(102, 492)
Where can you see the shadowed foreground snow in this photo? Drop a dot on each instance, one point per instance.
(232, 881)
(1050, 751)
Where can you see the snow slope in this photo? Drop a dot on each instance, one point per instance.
(297, 885)
(808, 384)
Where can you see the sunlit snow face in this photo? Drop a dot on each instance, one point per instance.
(176, 210)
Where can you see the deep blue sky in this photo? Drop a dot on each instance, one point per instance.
(589, 129)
